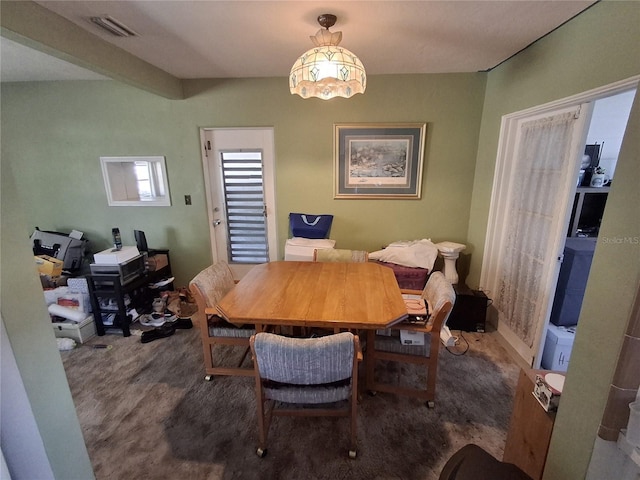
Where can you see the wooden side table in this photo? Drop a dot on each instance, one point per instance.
(530, 429)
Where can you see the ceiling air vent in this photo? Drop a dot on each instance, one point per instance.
(114, 26)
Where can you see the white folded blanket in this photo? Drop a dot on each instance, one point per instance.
(416, 253)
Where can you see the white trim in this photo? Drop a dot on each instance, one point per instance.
(579, 98)
(266, 144)
(501, 190)
(118, 175)
(507, 138)
(206, 140)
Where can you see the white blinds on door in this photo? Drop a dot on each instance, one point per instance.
(243, 182)
(535, 207)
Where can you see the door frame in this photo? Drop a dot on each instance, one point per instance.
(506, 147)
(208, 149)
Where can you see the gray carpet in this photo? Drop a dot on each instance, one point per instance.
(147, 413)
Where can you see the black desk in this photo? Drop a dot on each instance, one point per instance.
(109, 287)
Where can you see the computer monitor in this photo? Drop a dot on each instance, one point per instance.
(141, 240)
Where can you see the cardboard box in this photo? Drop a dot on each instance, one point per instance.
(157, 261)
(411, 337)
(48, 282)
(80, 332)
(49, 265)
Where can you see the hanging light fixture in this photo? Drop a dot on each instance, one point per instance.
(327, 70)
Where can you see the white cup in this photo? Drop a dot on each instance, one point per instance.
(599, 179)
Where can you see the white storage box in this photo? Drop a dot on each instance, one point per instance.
(76, 301)
(80, 332)
(301, 249)
(411, 337)
(557, 348)
(112, 256)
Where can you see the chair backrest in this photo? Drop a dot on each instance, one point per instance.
(340, 255)
(211, 284)
(304, 361)
(440, 296)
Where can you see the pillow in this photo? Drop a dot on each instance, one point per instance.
(417, 253)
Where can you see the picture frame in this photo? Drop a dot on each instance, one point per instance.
(379, 161)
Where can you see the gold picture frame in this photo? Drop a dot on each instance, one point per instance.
(379, 161)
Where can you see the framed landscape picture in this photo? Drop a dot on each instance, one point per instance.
(378, 160)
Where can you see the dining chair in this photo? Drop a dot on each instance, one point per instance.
(440, 297)
(340, 255)
(306, 377)
(208, 287)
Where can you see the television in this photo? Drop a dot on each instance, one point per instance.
(594, 154)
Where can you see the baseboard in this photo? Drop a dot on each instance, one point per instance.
(513, 353)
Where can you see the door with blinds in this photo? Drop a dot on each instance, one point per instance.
(239, 169)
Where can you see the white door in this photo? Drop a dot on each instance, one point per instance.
(239, 178)
(536, 174)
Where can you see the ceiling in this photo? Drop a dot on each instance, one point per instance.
(232, 39)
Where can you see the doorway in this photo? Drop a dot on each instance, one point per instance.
(604, 139)
(523, 279)
(239, 168)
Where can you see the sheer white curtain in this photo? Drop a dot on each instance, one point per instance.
(535, 207)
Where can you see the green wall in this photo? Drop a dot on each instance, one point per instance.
(29, 330)
(55, 133)
(597, 48)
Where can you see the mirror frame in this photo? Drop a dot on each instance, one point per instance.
(110, 171)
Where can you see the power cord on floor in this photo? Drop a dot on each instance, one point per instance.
(454, 350)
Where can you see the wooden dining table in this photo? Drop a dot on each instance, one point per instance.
(316, 294)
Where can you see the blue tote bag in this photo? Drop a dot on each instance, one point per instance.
(310, 226)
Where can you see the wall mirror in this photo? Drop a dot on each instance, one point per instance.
(136, 181)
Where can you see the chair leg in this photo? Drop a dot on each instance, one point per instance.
(208, 354)
(354, 426)
(262, 429)
(432, 370)
(370, 361)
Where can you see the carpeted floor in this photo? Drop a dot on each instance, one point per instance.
(147, 413)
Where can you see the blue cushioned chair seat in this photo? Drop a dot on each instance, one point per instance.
(219, 327)
(306, 395)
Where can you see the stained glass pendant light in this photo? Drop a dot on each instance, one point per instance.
(327, 70)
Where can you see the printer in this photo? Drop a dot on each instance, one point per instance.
(70, 250)
(126, 262)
